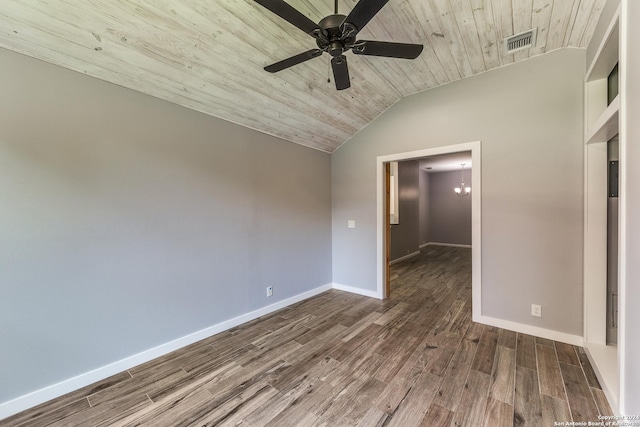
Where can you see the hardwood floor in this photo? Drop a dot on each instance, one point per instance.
(340, 359)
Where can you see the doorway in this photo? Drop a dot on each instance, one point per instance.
(383, 223)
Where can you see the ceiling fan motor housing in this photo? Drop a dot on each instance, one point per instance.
(331, 24)
(331, 40)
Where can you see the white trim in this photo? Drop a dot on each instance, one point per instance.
(601, 123)
(402, 258)
(532, 330)
(607, 373)
(358, 291)
(56, 390)
(608, 37)
(623, 280)
(476, 223)
(453, 245)
(424, 245)
(595, 243)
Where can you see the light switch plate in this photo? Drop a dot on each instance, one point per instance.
(351, 223)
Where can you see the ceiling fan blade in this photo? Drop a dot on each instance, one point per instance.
(290, 14)
(387, 49)
(363, 11)
(294, 60)
(340, 72)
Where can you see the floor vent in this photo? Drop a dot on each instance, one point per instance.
(520, 41)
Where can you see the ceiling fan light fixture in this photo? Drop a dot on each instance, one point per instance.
(458, 191)
(462, 190)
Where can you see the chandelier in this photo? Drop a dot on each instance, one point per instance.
(462, 190)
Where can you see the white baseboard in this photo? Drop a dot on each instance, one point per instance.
(56, 390)
(359, 291)
(604, 361)
(402, 258)
(532, 330)
(424, 245)
(453, 245)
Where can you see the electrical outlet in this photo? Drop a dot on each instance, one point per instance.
(270, 291)
(536, 310)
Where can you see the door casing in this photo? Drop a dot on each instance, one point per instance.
(382, 220)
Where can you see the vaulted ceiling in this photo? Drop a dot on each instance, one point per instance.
(209, 55)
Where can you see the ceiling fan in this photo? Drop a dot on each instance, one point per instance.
(336, 34)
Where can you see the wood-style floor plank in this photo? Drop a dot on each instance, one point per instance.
(417, 402)
(526, 351)
(352, 406)
(507, 338)
(567, 354)
(601, 401)
(554, 410)
(545, 342)
(473, 403)
(592, 379)
(456, 375)
(339, 359)
(503, 375)
(399, 386)
(549, 373)
(498, 414)
(485, 354)
(437, 416)
(581, 403)
(527, 399)
(373, 418)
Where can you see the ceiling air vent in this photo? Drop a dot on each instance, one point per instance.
(520, 41)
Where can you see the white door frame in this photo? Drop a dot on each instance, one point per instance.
(476, 234)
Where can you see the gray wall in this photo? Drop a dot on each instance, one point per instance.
(430, 211)
(127, 222)
(631, 100)
(405, 235)
(449, 214)
(529, 119)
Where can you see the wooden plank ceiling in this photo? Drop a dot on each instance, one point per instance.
(208, 54)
